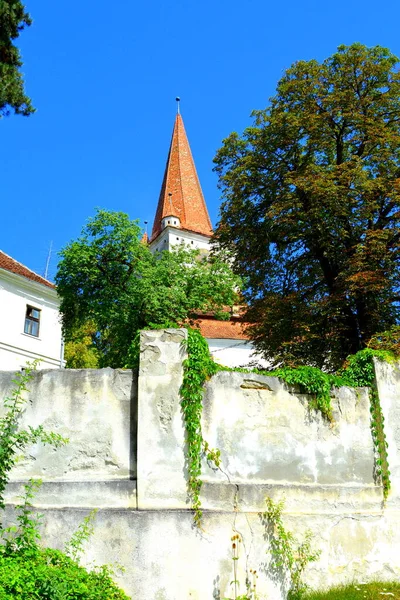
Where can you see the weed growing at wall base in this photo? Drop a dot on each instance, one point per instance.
(288, 554)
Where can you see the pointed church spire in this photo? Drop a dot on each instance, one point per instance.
(181, 194)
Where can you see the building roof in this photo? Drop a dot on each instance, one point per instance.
(210, 328)
(9, 264)
(181, 194)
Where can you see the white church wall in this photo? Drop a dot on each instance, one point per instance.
(235, 353)
(172, 236)
(16, 346)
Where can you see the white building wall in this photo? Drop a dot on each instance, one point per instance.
(235, 353)
(172, 236)
(17, 347)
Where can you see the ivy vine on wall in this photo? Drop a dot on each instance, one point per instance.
(199, 366)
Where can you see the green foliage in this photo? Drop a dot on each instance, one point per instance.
(288, 554)
(359, 371)
(375, 590)
(13, 19)
(313, 381)
(311, 208)
(74, 547)
(80, 351)
(198, 367)
(23, 537)
(51, 575)
(387, 340)
(108, 277)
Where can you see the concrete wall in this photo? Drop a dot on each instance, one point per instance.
(271, 444)
(17, 347)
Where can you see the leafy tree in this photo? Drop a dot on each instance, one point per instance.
(311, 207)
(110, 278)
(13, 19)
(80, 353)
(387, 340)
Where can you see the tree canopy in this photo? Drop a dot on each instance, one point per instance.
(109, 281)
(13, 19)
(311, 207)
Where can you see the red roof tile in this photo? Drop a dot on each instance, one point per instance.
(229, 330)
(9, 264)
(181, 194)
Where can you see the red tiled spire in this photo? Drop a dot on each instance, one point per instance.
(181, 194)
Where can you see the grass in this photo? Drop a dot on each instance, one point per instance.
(377, 590)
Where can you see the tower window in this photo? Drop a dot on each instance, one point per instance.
(32, 321)
(169, 222)
(174, 222)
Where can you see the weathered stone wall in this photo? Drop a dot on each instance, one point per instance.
(97, 411)
(271, 444)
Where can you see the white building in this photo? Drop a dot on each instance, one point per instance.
(30, 326)
(182, 218)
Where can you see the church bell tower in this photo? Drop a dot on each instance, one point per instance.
(182, 216)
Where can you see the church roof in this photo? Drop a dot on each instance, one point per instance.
(210, 328)
(181, 194)
(9, 264)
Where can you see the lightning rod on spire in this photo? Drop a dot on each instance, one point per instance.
(178, 108)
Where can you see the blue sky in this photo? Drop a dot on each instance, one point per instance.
(104, 77)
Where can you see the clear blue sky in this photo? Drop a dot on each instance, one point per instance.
(104, 76)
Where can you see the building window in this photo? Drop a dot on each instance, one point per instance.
(32, 320)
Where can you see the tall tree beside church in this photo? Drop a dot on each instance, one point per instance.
(111, 286)
(311, 207)
(13, 19)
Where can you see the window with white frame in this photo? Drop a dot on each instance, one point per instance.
(32, 321)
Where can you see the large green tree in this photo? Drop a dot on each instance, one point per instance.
(13, 19)
(311, 207)
(109, 280)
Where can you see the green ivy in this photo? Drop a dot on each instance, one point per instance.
(315, 382)
(198, 367)
(287, 552)
(360, 372)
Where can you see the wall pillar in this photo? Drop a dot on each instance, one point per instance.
(161, 469)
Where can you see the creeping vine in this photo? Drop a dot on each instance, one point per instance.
(198, 367)
(287, 552)
(360, 372)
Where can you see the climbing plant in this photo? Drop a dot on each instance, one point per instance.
(198, 367)
(359, 372)
(288, 554)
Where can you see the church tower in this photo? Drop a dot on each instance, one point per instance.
(182, 216)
